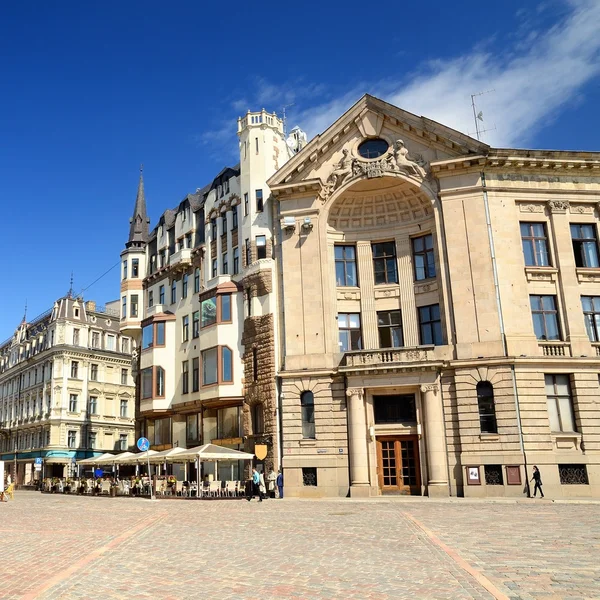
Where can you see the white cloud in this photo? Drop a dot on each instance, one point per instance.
(531, 85)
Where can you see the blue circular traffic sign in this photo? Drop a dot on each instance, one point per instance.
(143, 444)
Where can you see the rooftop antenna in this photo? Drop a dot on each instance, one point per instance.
(25, 313)
(478, 116)
(71, 286)
(285, 119)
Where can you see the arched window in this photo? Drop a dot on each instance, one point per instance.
(307, 402)
(487, 409)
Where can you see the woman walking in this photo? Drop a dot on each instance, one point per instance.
(537, 477)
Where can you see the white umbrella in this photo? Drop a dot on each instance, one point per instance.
(161, 457)
(94, 459)
(114, 459)
(213, 452)
(140, 457)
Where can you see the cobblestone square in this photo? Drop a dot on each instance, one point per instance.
(58, 546)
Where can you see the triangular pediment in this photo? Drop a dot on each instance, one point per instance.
(371, 117)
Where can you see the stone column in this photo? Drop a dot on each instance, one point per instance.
(368, 315)
(357, 442)
(435, 441)
(410, 328)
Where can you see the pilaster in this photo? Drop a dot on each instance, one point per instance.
(364, 256)
(435, 441)
(357, 443)
(410, 327)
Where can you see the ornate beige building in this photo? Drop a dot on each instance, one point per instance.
(66, 389)
(440, 312)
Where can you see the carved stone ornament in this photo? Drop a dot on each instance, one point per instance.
(358, 392)
(430, 387)
(581, 209)
(531, 208)
(398, 161)
(558, 206)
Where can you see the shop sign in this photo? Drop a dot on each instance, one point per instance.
(260, 450)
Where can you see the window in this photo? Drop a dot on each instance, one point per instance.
(246, 205)
(225, 266)
(73, 403)
(123, 407)
(125, 345)
(93, 436)
(214, 269)
(159, 388)
(123, 441)
(75, 337)
(573, 474)
(124, 269)
(185, 377)
(430, 325)
(254, 364)
(309, 476)
(173, 292)
(591, 314)
(161, 294)
(133, 309)
(259, 201)
(560, 406)
(349, 331)
(248, 252)
(487, 408)
(191, 427)
(185, 321)
(535, 244)
(585, 245)
(184, 286)
(261, 246)
(95, 339)
(384, 263)
(93, 405)
(74, 369)
(225, 307)
(124, 307)
(423, 257)
(493, 475)
(196, 324)
(195, 374)
(256, 143)
(209, 311)
(209, 366)
(160, 333)
(234, 218)
(373, 148)
(258, 418)
(135, 267)
(236, 260)
(307, 404)
(224, 224)
(545, 317)
(94, 372)
(345, 266)
(124, 376)
(213, 228)
(226, 364)
(110, 342)
(146, 377)
(395, 409)
(196, 281)
(389, 324)
(72, 439)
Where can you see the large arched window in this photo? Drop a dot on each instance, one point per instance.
(487, 409)
(307, 402)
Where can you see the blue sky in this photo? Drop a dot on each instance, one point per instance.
(90, 91)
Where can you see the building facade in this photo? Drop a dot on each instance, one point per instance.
(440, 312)
(66, 389)
(199, 297)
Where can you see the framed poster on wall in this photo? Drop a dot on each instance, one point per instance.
(473, 477)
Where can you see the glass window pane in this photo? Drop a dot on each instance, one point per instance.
(344, 339)
(209, 366)
(541, 253)
(524, 229)
(536, 303)
(587, 231)
(226, 307)
(549, 382)
(349, 252)
(339, 252)
(591, 254)
(419, 267)
(528, 253)
(548, 303)
(552, 327)
(586, 303)
(342, 320)
(354, 319)
(340, 278)
(160, 334)
(351, 274)
(226, 364)
(397, 341)
(562, 385)
(566, 414)
(538, 229)
(574, 231)
(426, 335)
(418, 244)
(553, 415)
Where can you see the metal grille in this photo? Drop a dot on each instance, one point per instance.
(493, 475)
(309, 476)
(573, 474)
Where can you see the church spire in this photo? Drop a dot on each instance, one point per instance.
(138, 231)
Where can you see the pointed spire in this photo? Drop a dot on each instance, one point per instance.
(138, 231)
(25, 313)
(70, 294)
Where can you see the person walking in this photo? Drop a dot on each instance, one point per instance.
(262, 488)
(255, 486)
(537, 477)
(280, 483)
(271, 478)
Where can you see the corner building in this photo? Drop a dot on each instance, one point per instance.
(440, 313)
(199, 296)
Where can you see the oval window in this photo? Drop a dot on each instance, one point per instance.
(373, 148)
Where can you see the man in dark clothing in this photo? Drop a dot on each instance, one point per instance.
(537, 477)
(280, 483)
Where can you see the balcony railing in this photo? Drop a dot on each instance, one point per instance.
(556, 349)
(388, 357)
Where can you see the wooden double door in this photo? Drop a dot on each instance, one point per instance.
(398, 465)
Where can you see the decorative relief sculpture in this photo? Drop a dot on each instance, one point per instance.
(430, 387)
(531, 208)
(399, 161)
(581, 209)
(558, 206)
